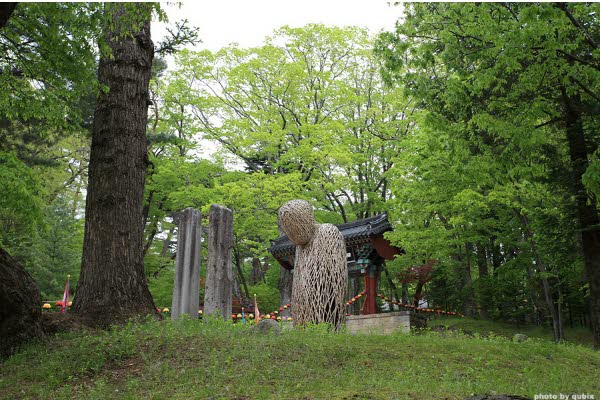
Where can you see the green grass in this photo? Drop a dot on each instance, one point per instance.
(220, 360)
(579, 335)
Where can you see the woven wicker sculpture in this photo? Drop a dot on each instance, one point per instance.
(320, 272)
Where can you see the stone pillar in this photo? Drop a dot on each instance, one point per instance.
(219, 272)
(186, 292)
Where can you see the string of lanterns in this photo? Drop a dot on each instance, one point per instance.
(272, 315)
(409, 306)
(48, 306)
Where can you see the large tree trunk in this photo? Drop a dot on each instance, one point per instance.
(587, 213)
(6, 10)
(20, 306)
(112, 286)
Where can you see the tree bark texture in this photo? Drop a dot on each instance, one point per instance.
(589, 222)
(112, 286)
(6, 10)
(20, 306)
(219, 269)
(257, 275)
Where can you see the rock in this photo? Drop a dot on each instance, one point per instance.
(519, 337)
(268, 326)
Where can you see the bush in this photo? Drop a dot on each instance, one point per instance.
(266, 296)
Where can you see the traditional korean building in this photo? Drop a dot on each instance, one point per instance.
(366, 249)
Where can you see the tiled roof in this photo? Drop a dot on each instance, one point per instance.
(354, 233)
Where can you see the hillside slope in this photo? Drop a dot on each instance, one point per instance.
(190, 359)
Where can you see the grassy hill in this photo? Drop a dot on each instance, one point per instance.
(219, 360)
(577, 335)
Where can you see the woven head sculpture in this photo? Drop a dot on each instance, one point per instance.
(320, 272)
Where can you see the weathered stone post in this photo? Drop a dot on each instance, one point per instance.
(186, 292)
(219, 272)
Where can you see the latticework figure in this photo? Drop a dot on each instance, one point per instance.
(320, 272)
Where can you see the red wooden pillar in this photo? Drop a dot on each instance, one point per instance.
(370, 306)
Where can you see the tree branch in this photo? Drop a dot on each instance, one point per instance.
(585, 89)
(552, 121)
(578, 59)
(588, 37)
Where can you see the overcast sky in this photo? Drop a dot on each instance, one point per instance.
(249, 22)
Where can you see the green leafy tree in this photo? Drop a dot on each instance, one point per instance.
(306, 115)
(48, 65)
(309, 101)
(20, 205)
(509, 82)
